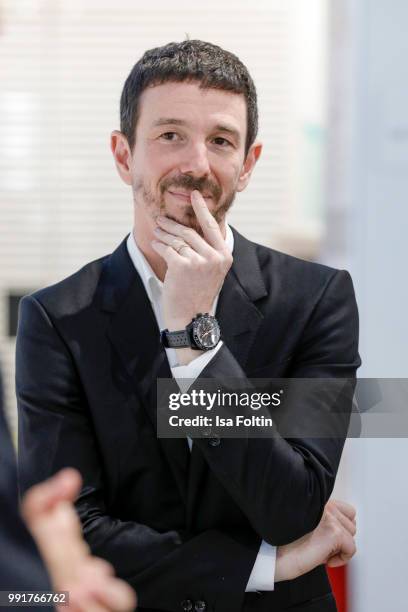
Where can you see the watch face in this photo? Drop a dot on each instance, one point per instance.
(206, 332)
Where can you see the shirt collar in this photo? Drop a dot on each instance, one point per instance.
(150, 281)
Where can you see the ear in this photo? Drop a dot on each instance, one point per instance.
(249, 164)
(122, 156)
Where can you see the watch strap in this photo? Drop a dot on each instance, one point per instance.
(176, 339)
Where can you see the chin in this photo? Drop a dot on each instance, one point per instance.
(187, 219)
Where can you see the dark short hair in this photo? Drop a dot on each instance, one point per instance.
(190, 60)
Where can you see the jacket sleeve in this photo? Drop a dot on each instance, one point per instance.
(55, 430)
(283, 483)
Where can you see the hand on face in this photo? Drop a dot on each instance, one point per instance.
(50, 516)
(332, 542)
(196, 265)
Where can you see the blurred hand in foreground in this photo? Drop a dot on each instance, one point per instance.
(49, 513)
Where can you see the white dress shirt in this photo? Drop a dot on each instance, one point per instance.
(263, 572)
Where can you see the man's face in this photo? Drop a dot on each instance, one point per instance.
(187, 138)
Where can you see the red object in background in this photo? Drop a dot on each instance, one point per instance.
(338, 581)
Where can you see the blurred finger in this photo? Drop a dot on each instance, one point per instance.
(117, 596)
(63, 486)
(97, 569)
(89, 604)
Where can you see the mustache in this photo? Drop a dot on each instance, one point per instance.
(191, 183)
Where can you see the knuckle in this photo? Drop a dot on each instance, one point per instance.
(185, 232)
(195, 264)
(338, 530)
(215, 258)
(187, 264)
(212, 224)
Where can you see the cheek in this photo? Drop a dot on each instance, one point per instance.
(144, 163)
(233, 177)
(227, 174)
(157, 163)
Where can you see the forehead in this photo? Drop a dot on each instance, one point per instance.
(189, 103)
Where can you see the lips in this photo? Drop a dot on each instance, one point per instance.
(185, 195)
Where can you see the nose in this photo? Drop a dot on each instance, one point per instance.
(196, 161)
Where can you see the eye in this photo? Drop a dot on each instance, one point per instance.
(223, 142)
(169, 136)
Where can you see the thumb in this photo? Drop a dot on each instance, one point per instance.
(63, 486)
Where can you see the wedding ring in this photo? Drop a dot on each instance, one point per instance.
(180, 247)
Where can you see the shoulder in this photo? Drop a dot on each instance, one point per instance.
(101, 283)
(281, 271)
(74, 292)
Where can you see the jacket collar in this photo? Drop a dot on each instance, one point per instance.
(237, 312)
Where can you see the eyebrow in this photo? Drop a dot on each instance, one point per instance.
(221, 127)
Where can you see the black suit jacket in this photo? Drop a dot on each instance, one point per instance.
(183, 530)
(21, 568)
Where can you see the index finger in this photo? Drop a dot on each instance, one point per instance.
(210, 227)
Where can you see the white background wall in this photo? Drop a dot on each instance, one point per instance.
(367, 200)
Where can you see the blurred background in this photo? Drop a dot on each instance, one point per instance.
(331, 186)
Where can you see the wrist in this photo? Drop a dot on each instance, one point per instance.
(186, 355)
(287, 563)
(179, 320)
(177, 323)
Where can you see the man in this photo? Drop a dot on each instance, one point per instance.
(191, 530)
(49, 515)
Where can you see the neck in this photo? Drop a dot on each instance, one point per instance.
(143, 241)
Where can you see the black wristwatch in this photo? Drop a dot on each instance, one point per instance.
(202, 334)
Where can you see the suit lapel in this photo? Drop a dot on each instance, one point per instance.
(135, 335)
(239, 319)
(237, 313)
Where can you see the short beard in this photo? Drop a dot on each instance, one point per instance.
(157, 206)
